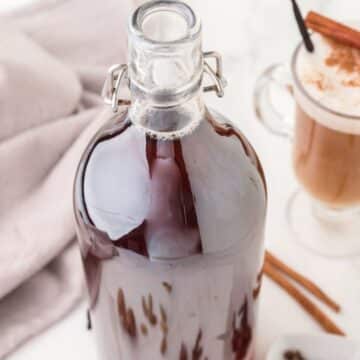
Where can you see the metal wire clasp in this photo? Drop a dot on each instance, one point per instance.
(119, 73)
(216, 75)
(116, 75)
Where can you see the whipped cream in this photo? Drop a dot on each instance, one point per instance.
(331, 76)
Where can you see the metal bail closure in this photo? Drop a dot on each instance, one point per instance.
(215, 75)
(117, 74)
(114, 80)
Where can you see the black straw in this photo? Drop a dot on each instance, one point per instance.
(302, 27)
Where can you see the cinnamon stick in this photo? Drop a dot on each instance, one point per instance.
(312, 309)
(333, 29)
(302, 280)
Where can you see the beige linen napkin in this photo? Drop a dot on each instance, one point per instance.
(52, 64)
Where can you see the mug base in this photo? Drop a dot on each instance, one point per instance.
(332, 233)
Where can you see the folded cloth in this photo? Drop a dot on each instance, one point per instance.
(21, 318)
(52, 65)
(25, 68)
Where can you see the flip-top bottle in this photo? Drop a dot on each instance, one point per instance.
(170, 203)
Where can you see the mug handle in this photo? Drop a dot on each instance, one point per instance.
(275, 80)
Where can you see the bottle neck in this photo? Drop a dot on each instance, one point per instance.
(165, 68)
(167, 122)
(166, 90)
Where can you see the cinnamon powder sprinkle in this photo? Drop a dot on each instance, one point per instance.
(319, 80)
(345, 58)
(352, 82)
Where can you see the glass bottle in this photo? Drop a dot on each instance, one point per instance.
(170, 203)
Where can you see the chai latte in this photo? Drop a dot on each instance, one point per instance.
(327, 133)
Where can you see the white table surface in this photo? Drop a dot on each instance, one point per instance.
(251, 34)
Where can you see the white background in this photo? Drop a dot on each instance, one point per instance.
(251, 34)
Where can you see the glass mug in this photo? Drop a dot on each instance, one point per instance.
(323, 215)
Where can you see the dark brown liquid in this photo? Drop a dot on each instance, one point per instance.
(171, 237)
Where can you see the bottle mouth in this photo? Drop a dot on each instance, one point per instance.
(165, 22)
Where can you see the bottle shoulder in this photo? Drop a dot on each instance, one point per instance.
(119, 133)
(207, 179)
